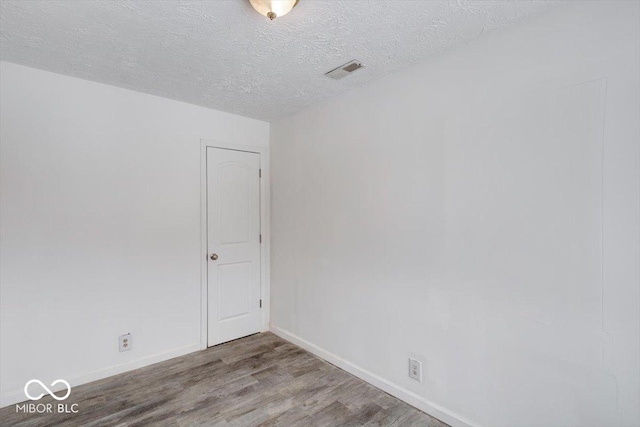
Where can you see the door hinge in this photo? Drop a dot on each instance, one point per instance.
(259, 173)
(261, 238)
(260, 303)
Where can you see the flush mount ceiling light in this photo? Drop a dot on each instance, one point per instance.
(273, 9)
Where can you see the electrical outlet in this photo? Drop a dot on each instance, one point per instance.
(415, 369)
(125, 342)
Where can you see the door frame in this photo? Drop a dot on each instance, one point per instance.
(265, 284)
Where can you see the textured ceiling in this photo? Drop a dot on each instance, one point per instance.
(223, 55)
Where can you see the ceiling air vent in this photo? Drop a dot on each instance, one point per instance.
(344, 70)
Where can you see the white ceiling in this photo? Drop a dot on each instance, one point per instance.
(223, 55)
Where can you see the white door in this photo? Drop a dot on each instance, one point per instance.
(233, 240)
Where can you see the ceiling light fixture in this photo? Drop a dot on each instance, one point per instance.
(273, 9)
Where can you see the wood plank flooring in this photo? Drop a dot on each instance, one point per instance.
(260, 380)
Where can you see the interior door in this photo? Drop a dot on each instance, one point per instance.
(233, 240)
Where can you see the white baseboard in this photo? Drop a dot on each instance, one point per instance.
(401, 393)
(76, 380)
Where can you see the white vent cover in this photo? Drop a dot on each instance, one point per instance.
(344, 70)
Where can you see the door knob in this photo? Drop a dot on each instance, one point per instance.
(214, 257)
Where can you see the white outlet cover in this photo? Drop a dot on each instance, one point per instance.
(415, 369)
(126, 343)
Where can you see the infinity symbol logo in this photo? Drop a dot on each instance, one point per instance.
(26, 389)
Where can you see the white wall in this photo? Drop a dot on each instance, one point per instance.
(481, 213)
(100, 225)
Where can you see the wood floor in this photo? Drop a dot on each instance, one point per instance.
(259, 380)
